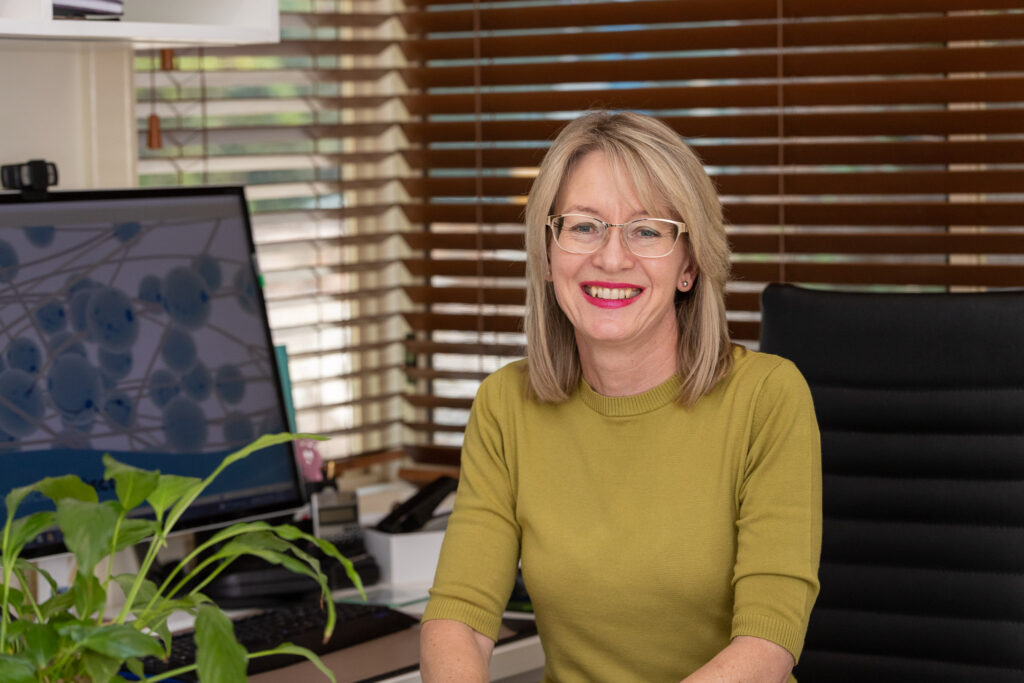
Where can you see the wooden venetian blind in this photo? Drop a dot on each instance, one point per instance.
(857, 144)
(306, 126)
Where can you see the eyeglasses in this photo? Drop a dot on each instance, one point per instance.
(644, 237)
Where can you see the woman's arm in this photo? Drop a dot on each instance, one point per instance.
(452, 652)
(747, 659)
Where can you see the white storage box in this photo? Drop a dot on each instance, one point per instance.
(409, 558)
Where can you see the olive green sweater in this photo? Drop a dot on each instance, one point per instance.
(649, 534)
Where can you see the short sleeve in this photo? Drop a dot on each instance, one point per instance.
(480, 552)
(779, 517)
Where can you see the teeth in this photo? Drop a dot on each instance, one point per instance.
(612, 293)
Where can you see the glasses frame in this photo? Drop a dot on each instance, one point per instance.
(680, 226)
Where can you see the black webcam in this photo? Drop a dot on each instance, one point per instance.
(31, 178)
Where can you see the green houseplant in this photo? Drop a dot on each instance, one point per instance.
(69, 638)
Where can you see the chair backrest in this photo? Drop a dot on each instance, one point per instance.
(920, 401)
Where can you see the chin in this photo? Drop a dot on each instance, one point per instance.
(606, 335)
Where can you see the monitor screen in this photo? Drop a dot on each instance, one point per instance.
(133, 323)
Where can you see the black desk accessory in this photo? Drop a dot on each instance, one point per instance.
(415, 512)
(32, 178)
(301, 624)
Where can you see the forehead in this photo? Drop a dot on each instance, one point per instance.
(599, 183)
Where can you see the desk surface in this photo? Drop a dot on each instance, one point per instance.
(394, 658)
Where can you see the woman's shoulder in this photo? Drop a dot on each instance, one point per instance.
(755, 368)
(513, 377)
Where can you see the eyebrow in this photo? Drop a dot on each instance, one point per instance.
(590, 211)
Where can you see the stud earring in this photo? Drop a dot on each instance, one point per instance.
(685, 284)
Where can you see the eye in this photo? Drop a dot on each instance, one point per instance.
(581, 226)
(647, 231)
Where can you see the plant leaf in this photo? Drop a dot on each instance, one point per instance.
(290, 649)
(132, 484)
(262, 539)
(169, 489)
(166, 606)
(268, 546)
(27, 567)
(135, 666)
(87, 595)
(66, 486)
(13, 499)
(293, 534)
(16, 669)
(76, 629)
(87, 528)
(16, 599)
(41, 643)
(273, 557)
(101, 668)
(146, 591)
(135, 531)
(264, 441)
(238, 529)
(16, 628)
(121, 641)
(57, 604)
(164, 631)
(25, 529)
(219, 657)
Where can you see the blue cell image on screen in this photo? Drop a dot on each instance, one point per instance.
(131, 323)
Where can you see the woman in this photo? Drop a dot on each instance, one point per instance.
(660, 485)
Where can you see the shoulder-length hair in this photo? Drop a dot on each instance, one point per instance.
(667, 176)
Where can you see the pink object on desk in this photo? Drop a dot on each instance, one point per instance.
(307, 455)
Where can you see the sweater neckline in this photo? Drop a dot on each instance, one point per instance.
(625, 406)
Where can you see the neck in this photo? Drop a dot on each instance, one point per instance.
(626, 371)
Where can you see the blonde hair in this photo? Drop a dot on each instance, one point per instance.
(668, 175)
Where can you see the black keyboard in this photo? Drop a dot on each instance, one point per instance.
(302, 625)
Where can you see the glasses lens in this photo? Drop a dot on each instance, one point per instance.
(651, 237)
(579, 234)
(646, 237)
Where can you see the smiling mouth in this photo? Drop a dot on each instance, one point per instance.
(612, 293)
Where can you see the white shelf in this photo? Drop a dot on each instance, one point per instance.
(150, 23)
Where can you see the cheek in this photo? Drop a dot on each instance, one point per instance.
(558, 269)
(561, 275)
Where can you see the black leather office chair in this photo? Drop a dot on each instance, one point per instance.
(920, 400)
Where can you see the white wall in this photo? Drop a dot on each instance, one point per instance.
(72, 103)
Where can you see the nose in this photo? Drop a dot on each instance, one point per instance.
(614, 254)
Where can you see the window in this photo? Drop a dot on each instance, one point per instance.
(868, 144)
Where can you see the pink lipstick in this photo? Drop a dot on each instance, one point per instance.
(610, 294)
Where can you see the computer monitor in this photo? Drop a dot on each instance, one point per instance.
(132, 322)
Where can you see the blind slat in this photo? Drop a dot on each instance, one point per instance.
(463, 348)
(805, 34)
(510, 296)
(750, 242)
(872, 92)
(839, 123)
(709, 10)
(797, 153)
(893, 62)
(928, 214)
(860, 182)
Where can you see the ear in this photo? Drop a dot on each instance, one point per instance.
(687, 277)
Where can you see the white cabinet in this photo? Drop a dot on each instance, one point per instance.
(150, 23)
(69, 87)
